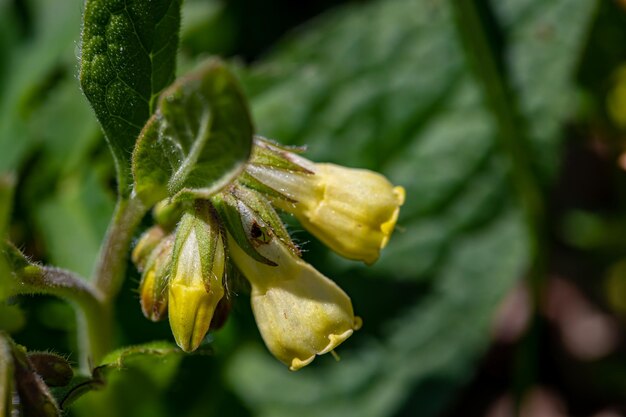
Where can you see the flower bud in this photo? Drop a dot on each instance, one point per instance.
(145, 245)
(300, 313)
(196, 276)
(353, 211)
(154, 280)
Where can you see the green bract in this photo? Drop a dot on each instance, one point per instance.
(197, 141)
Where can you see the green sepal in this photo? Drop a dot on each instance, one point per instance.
(231, 212)
(298, 149)
(251, 182)
(184, 228)
(199, 139)
(209, 237)
(200, 218)
(272, 155)
(252, 221)
(264, 210)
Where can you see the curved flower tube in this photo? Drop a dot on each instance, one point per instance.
(300, 313)
(353, 211)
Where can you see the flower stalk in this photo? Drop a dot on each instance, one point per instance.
(111, 267)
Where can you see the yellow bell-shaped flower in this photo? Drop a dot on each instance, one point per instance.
(196, 285)
(299, 312)
(353, 211)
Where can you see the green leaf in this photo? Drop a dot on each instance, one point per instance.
(78, 386)
(118, 359)
(542, 44)
(387, 86)
(198, 140)
(128, 57)
(155, 363)
(135, 378)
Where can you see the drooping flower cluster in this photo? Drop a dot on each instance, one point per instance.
(299, 312)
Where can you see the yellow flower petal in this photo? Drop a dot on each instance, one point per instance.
(353, 211)
(300, 313)
(196, 285)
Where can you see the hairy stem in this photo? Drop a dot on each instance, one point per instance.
(93, 302)
(94, 316)
(111, 268)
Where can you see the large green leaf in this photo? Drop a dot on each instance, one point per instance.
(128, 56)
(388, 87)
(198, 140)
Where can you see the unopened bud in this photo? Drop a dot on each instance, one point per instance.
(145, 246)
(153, 286)
(196, 284)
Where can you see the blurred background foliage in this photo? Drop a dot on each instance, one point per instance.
(405, 88)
